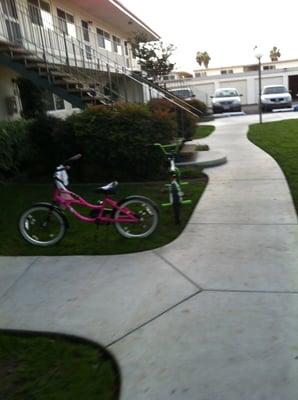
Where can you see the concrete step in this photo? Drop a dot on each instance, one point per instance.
(15, 50)
(67, 82)
(41, 65)
(26, 58)
(54, 74)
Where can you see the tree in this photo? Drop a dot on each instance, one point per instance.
(153, 57)
(275, 54)
(203, 58)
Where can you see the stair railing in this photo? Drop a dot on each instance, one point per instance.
(46, 38)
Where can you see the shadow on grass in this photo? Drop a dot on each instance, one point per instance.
(44, 366)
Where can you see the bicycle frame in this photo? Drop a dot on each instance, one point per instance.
(66, 199)
(171, 151)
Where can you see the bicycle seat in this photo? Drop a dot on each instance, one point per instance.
(111, 188)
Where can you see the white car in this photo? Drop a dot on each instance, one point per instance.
(226, 99)
(275, 96)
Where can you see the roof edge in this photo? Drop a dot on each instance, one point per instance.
(125, 10)
(246, 65)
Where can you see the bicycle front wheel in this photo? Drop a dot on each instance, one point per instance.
(42, 226)
(145, 211)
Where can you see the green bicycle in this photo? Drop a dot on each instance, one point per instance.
(175, 192)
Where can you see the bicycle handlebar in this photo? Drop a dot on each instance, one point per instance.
(169, 149)
(71, 159)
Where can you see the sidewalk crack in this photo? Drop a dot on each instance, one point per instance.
(152, 319)
(177, 270)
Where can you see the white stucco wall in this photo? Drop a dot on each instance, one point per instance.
(247, 83)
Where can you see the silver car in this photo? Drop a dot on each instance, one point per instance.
(275, 96)
(226, 99)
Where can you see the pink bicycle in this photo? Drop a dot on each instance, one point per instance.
(45, 224)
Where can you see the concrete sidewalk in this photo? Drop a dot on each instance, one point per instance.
(211, 316)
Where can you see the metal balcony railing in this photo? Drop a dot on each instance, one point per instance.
(75, 50)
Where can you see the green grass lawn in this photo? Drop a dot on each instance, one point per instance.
(280, 140)
(203, 131)
(55, 368)
(83, 238)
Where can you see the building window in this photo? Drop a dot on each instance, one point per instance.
(200, 74)
(226, 71)
(103, 39)
(88, 52)
(9, 8)
(117, 45)
(59, 102)
(34, 12)
(66, 23)
(268, 67)
(126, 49)
(85, 27)
(40, 13)
(248, 68)
(53, 102)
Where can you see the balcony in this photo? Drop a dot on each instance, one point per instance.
(58, 40)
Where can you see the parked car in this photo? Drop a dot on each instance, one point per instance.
(226, 99)
(275, 96)
(185, 93)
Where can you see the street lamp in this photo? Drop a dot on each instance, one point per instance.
(259, 56)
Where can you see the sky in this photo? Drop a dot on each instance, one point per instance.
(227, 29)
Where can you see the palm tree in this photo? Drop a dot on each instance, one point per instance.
(203, 58)
(275, 54)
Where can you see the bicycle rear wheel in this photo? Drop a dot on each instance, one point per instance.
(146, 212)
(42, 225)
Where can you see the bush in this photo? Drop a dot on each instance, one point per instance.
(114, 140)
(52, 142)
(15, 147)
(184, 121)
(199, 105)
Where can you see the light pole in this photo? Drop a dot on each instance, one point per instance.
(259, 56)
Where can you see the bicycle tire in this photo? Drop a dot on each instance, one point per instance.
(146, 210)
(36, 219)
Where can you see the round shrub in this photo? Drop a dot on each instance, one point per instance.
(185, 121)
(199, 105)
(15, 147)
(52, 142)
(115, 140)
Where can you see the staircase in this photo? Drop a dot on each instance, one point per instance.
(177, 101)
(67, 67)
(77, 91)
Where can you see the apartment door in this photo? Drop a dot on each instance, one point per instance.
(86, 40)
(293, 86)
(11, 29)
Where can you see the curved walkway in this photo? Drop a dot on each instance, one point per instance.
(211, 316)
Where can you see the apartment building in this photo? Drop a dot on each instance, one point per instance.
(242, 77)
(78, 51)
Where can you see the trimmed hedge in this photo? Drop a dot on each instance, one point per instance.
(15, 147)
(113, 141)
(186, 123)
(199, 105)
